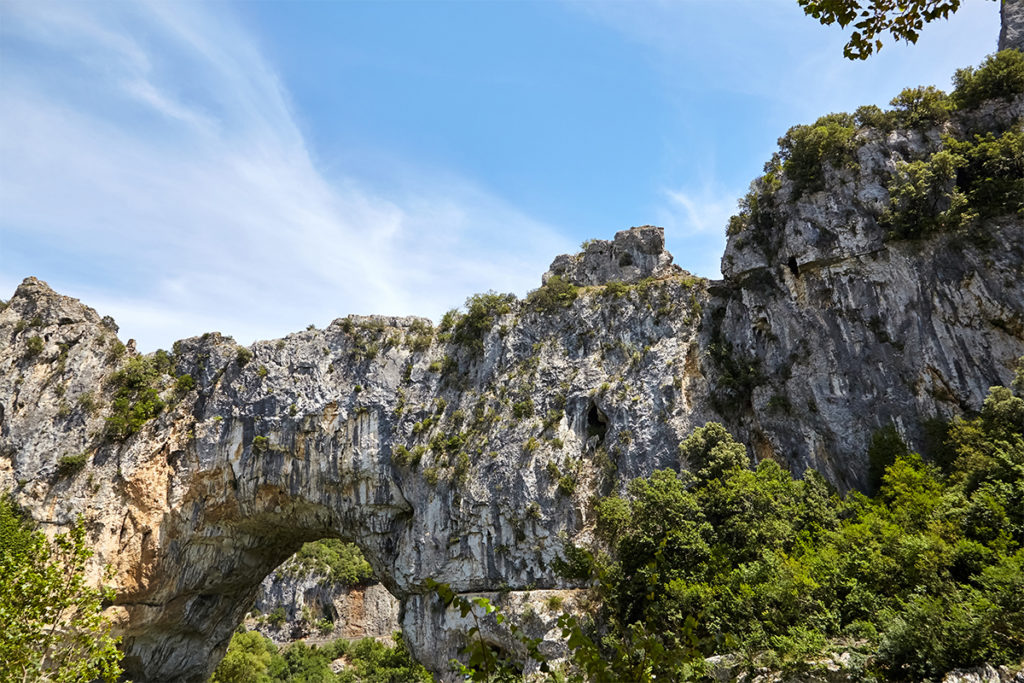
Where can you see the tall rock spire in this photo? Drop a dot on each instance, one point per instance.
(1011, 31)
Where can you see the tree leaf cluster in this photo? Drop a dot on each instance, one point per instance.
(871, 19)
(53, 624)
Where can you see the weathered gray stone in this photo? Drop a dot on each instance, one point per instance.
(633, 255)
(317, 610)
(1011, 28)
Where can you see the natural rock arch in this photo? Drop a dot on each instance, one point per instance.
(445, 460)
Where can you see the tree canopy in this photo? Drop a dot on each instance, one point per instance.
(872, 19)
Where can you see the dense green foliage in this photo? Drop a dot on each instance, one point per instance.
(923, 578)
(803, 150)
(885, 448)
(332, 558)
(981, 177)
(71, 464)
(482, 310)
(1000, 76)
(919, 108)
(53, 628)
(136, 399)
(34, 346)
(556, 294)
(252, 658)
(974, 174)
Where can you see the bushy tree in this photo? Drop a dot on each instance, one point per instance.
(710, 451)
(53, 628)
(557, 293)
(1000, 76)
(804, 149)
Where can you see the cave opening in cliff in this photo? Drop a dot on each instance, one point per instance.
(597, 423)
(793, 266)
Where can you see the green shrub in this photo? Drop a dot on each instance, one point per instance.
(969, 179)
(921, 107)
(162, 362)
(135, 399)
(71, 464)
(803, 151)
(117, 350)
(991, 176)
(1000, 76)
(755, 208)
(710, 452)
(615, 289)
(88, 402)
(886, 446)
(924, 196)
(34, 346)
(871, 116)
(522, 409)
(555, 295)
(447, 324)
(401, 456)
(184, 384)
(276, 616)
(340, 562)
(482, 310)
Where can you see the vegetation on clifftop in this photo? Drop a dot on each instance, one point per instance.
(333, 559)
(973, 174)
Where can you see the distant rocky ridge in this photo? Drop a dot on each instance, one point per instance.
(470, 452)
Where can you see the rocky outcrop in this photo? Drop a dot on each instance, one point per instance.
(290, 607)
(843, 329)
(633, 255)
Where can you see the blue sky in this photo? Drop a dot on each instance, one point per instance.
(253, 167)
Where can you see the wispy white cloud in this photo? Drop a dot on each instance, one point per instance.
(151, 164)
(695, 219)
(706, 210)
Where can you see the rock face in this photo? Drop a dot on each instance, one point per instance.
(470, 453)
(307, 606)
(633, 255)
(1011, 30)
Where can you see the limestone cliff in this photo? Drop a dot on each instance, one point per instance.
(469, 452)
